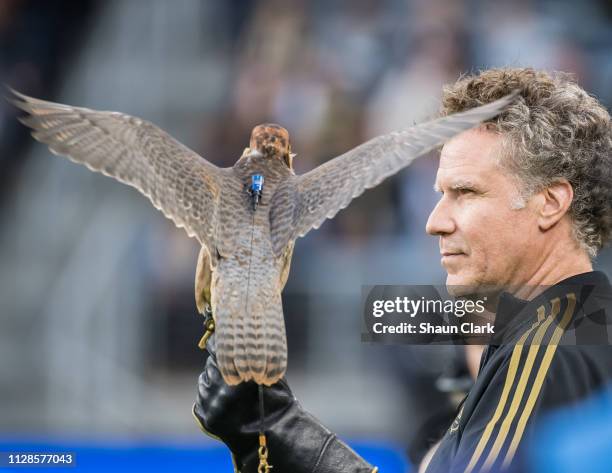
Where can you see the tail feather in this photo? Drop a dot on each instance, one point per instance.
(254, 342)
(251, 344)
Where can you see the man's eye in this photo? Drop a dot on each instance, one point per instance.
(466, 191)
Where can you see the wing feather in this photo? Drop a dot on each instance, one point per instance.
(304, 202)
(181, 184)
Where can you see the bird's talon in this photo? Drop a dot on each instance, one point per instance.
(209, 327)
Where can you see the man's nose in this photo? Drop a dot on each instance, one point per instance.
(440, 221)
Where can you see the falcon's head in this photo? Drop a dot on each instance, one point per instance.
(272, 141)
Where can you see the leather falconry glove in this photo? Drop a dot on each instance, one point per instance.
(296, 441)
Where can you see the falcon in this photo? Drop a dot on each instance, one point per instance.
(245, 217)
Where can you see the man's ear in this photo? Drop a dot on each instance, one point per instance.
(556, 201)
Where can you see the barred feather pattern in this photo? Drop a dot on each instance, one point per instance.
(250, 328)
(304, 202)
(181, 184)
(246, 284)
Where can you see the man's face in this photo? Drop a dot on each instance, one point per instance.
(483, 239)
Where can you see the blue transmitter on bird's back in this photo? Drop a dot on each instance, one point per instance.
(257, 181)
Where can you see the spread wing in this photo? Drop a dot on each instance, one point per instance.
(304, 202)
(179, 182)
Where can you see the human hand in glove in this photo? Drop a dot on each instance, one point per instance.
(296, 441)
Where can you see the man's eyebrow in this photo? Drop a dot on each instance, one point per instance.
(456, 185)
(462, 184)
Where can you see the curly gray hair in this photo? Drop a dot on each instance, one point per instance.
(553, 131)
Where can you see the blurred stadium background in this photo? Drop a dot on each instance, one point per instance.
(98, 325)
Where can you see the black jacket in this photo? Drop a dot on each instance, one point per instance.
(553, 351)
